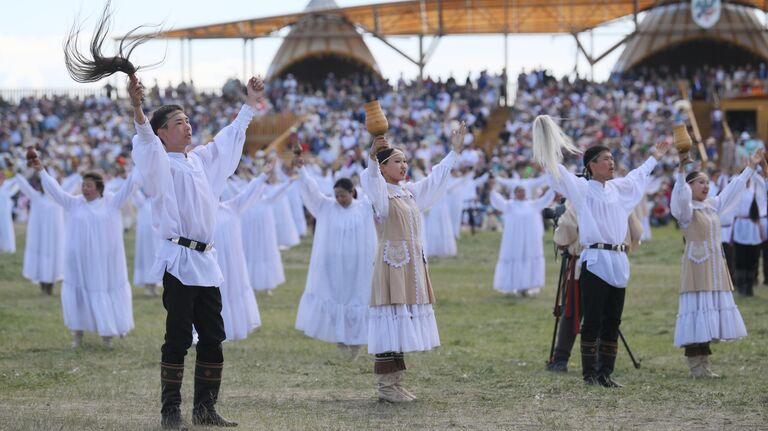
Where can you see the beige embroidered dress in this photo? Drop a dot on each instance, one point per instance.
(401, 318)
(707, 311)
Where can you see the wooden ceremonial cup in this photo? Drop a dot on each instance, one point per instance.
(683, 141)
(375, 120)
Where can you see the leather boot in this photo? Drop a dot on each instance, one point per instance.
(77, 339)
(705, 368)
(171, 376)
(207, 384)
(607, 358)
(385, 387)
(398, 376)
(589, 362)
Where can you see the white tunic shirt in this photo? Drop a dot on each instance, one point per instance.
(184, 190)
(602, 212)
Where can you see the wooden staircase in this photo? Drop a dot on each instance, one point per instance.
(489, 137)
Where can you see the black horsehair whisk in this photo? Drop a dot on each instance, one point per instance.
(83, 68)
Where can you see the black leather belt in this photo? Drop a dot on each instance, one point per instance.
(613, 247)
(190, 243)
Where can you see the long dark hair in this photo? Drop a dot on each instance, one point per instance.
(83, 68)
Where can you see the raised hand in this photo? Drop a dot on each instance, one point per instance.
(757, 157)
(661, 148)
(269, 166)
(254, 92)
(379, 143)
(457, 137)
(135, 90)
(685, 159)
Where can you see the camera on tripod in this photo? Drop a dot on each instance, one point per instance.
(554, 213)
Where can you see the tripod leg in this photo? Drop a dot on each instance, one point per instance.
(635, 362)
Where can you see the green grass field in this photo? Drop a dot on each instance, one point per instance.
(488, 373)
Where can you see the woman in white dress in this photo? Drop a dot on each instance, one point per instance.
(262, 253)
(520, 268)
(287, 235)
(95, 294)
(334, 306)
(440, 240)
(707, 312)
(401, 318)
(239, 309)
(147, 244)
(8, 188)
(44, 250)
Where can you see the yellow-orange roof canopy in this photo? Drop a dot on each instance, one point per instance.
(446, 17)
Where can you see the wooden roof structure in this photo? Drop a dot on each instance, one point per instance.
(671, 25)
(322, 36)
(449, 17)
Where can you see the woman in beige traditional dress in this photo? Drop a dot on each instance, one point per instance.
(707, 312)
(401, 318)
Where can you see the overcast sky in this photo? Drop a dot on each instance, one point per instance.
(31, 34)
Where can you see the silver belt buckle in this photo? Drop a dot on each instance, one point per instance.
(208, 246)
(193, 244)
(175, 240)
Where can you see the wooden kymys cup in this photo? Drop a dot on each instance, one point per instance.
(683, 141)
(31, 156)
(375, 121)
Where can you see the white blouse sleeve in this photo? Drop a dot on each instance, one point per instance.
(632, 187)
(54, 190)
(498, 201)
(277, 192)
(681, 201)
(118, 199)
(428, 191)
(221, 157)
(313, 198)
(544, 200)
(729, 197)
(150, 161)
(375, 187)
(570, 186)
(249, 195)
(27, 188)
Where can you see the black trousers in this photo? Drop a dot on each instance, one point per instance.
(186, 306)
(602, 305)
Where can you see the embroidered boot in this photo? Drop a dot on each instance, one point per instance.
(207, 384)
(385, 387)
(398, 376)
(171, 376)
(705, 367)
(607, 358)
(589, 362)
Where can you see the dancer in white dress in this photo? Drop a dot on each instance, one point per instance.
(95, 295)
(239, 309)
(440, 239)
(334, 306)
(287, 235)
(8, 188)
(401, 318)
(707, 312)
(262, 253)
(147, 244)
(520, 268)
(44, 250)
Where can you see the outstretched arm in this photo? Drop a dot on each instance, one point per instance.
(221, 157)
(148, 153)
(313, 198)
(54, 190)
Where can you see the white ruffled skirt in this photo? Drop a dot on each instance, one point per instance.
(518, 275)
(402, 328)
(703, 317)
(329, 321)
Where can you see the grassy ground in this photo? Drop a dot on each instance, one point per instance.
(488, 374)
